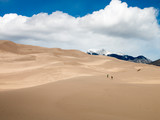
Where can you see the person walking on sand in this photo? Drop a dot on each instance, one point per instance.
(107, 76)
(112, 77)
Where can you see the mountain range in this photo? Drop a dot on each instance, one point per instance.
(157, 62)
(138, 59)
(8, 46)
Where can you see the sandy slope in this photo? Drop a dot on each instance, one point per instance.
(53, 84)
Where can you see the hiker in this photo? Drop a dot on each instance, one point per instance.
(112, 77)
(107, 76)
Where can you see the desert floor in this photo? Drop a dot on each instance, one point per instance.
(53, 84)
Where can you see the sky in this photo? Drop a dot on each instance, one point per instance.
(126, 26)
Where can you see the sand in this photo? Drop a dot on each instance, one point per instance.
(39, 83)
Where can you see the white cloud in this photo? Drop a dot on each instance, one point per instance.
(117, 27)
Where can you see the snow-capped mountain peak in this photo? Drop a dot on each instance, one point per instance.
(100, 52)
(139, 59)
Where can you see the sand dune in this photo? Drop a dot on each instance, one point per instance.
(39, 83)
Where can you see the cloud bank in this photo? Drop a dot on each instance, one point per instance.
(117, 28)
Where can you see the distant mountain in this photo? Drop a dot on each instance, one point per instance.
(139, 59)
(157, 62)
(100, 52)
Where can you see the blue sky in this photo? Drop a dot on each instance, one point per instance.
(72, 7)
(126, 26)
